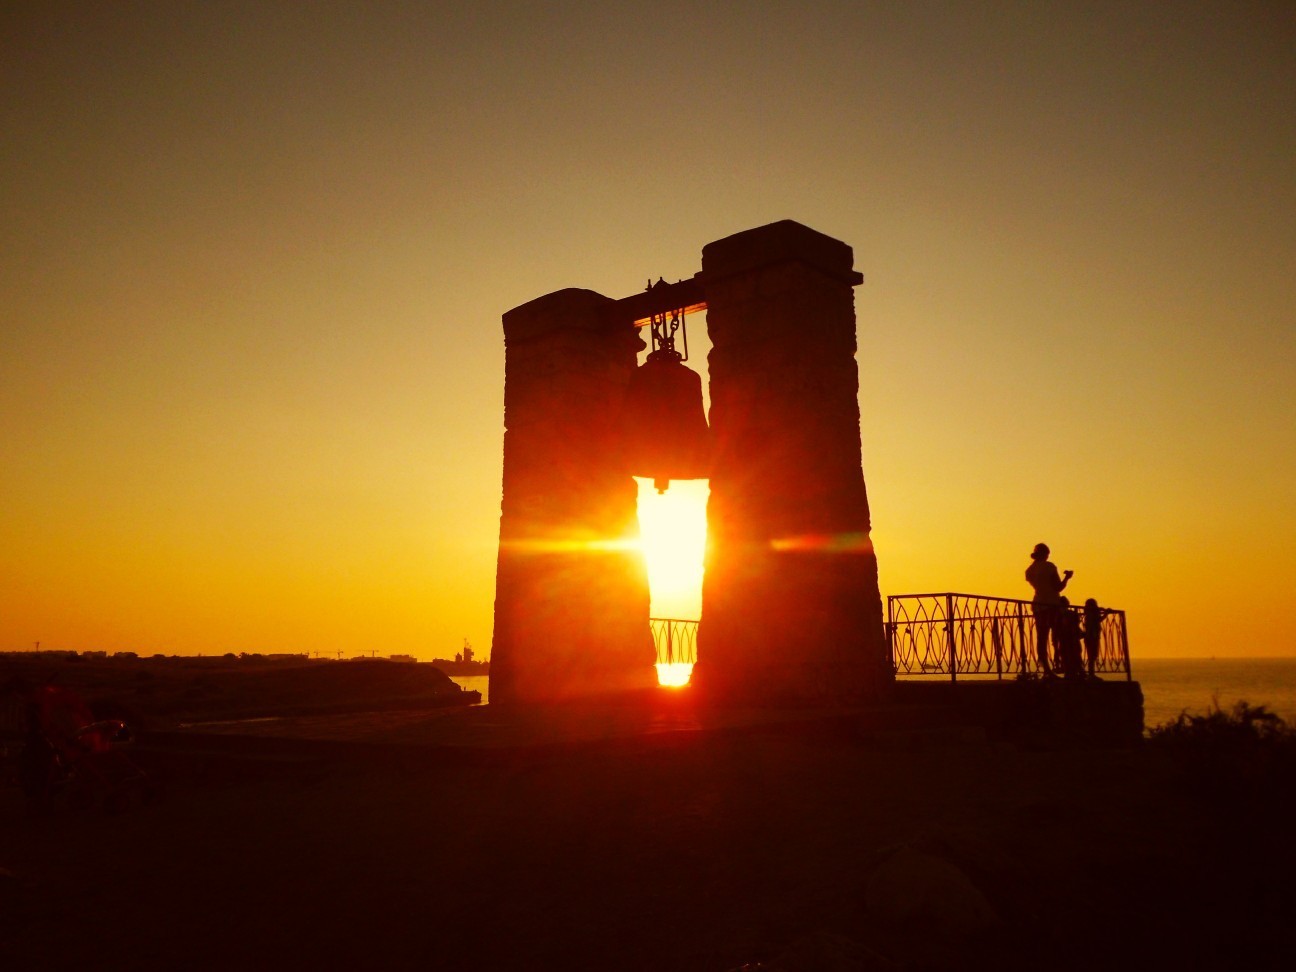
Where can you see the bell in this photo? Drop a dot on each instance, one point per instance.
(666, 435)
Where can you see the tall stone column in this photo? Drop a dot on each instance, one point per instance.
(790, 603)
(571, 589)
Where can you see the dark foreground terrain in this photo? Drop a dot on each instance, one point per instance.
(159, 693)
(794, 846)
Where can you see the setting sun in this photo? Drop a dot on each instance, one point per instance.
(673, 526)
(674, 676)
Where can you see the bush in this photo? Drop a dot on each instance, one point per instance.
(1242, 751)
(1242, 725)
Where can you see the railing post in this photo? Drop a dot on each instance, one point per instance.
(890, 635)
(949, 635)
(670, 650)
(1125, 648)
(1021, 640)
(997, 639)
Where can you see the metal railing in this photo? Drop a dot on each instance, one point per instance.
(971, 634)
(675, 640)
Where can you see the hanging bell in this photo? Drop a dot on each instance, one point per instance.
(666, 435)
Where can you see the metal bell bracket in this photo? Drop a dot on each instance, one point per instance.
(663, 327)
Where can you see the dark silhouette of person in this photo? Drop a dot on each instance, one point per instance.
(1042, 575)
(1068, 640)
(1093, 615)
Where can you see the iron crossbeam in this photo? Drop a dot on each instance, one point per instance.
(660, 298)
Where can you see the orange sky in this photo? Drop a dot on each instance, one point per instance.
(255, 257)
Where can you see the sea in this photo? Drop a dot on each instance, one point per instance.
(1193, 685)
(1171, 685)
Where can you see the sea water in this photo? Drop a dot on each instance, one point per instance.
(1170, 685)
(1174, 685)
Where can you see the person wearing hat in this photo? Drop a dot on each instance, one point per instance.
(1046, 605)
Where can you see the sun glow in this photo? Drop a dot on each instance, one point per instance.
(673, 527)
(674, 676)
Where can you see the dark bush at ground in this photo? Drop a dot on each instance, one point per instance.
(1243, 754)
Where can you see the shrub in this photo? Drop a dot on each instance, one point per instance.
(1243, 751)
(1244, 724)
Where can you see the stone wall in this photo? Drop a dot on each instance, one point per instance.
(1043, 711)
(790, 597)
(571, 595)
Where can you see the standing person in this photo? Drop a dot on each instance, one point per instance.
(1042, 575)
(1067, 635)
(1093, 616)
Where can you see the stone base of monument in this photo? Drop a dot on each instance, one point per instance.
(913, 715)
(1036, 711)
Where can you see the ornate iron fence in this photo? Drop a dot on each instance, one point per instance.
(970, 634)
(676, 640)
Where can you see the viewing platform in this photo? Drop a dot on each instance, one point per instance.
(965, 670)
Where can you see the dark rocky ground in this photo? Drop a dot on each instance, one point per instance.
(772, 845)
(159, 693)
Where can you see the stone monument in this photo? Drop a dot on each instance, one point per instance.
(790, 604)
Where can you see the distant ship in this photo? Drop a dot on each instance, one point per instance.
(463, 664)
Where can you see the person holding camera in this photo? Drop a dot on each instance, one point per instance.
(1046, 605)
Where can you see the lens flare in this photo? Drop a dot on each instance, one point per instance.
(572, 545)
(824, 543)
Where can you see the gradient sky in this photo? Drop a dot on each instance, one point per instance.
(255, 256)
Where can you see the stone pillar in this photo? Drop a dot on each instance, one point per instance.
(571, 590)
(790, 603)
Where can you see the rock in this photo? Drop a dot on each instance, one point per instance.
(911, 888)
(826, 952)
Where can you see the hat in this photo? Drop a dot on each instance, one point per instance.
(1040, 552)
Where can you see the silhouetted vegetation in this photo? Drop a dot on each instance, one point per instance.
(1245, 750)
